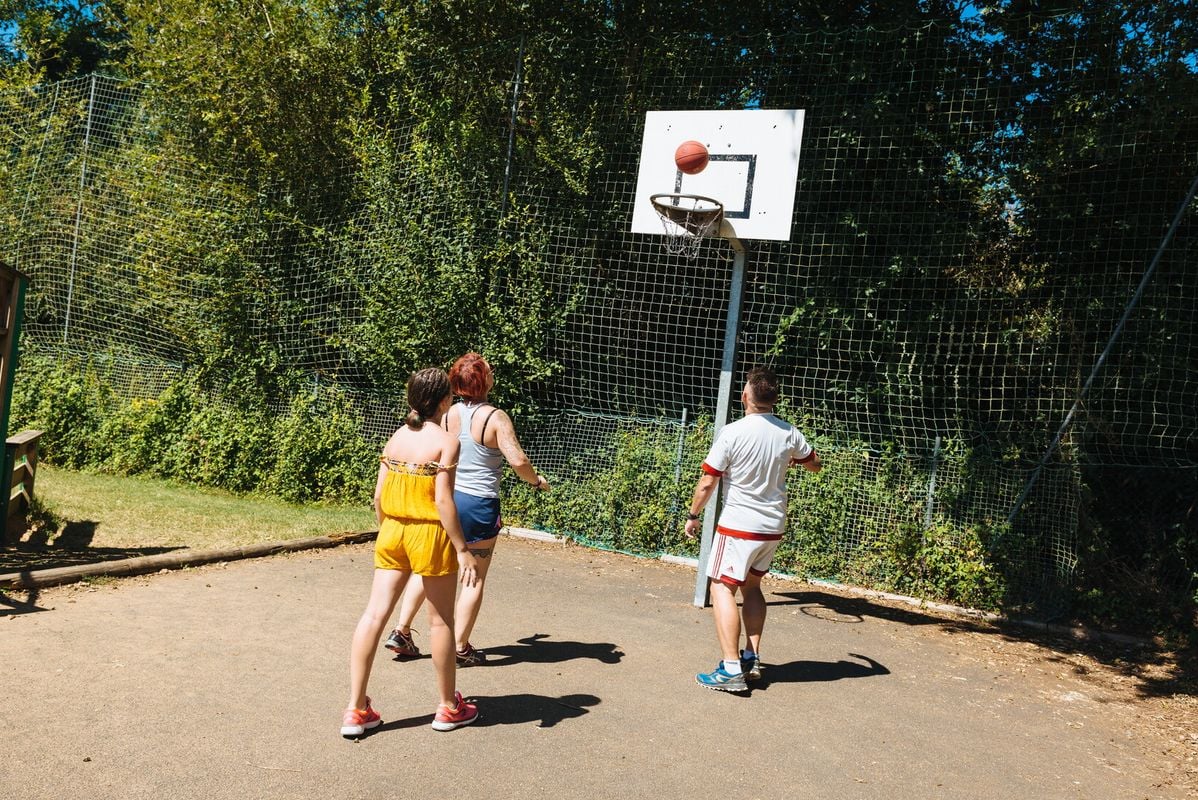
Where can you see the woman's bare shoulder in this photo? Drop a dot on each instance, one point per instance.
(392, 443)
(417, 447)
(496, 419)
(450, 446)
(453, 419)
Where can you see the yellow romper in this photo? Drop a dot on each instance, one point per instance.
(411, 536)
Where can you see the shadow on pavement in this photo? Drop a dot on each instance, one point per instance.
(540, 649)
(71, 548)
(28, 557)
(812, 671)
(519, 709)
(401, 724)
(836, 608)
(508, 709)
(11, 606)
(1160, 670)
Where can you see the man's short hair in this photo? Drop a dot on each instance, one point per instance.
(763, 385)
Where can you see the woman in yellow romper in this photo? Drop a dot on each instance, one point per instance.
(419, 533)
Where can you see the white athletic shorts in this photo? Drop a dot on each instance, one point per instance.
(734, 557)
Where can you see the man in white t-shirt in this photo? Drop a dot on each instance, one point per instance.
(749, 458)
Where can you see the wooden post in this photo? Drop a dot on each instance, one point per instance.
(12, 310)
(20, 464)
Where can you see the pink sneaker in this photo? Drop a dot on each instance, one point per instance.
(356, 721)
(447, 719)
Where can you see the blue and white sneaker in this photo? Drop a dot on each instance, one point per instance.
(750, 666)
(721, 681)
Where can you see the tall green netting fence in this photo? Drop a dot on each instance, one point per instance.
(968, 229)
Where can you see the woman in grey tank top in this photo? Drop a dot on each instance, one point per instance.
(487, 438)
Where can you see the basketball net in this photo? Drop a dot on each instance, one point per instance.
(687, 219)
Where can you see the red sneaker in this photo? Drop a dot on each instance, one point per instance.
(356, 721)
(447, 719)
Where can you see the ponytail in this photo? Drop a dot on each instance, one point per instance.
(426, 390)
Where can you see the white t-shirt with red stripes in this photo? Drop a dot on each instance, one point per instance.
(751, 457)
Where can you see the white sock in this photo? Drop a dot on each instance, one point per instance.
(732, 667)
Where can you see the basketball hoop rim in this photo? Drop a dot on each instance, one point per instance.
(697, 222)
(718, 206)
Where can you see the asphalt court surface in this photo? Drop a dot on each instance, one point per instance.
(228, 681)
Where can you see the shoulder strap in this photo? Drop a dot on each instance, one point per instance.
(482, 434)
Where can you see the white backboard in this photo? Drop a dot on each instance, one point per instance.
(753, 168)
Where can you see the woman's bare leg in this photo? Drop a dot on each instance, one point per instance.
(440, 592)
(470, 599)
(387, 586)
(409, 605)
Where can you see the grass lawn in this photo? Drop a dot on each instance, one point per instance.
(107, 512)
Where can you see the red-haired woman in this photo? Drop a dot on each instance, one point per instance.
(486, 437)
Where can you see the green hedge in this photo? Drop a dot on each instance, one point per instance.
(628, 493)
(313, 451)
(623, 496)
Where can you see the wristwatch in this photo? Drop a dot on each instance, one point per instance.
(691, 517)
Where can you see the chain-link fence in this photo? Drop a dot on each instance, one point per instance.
(947, 289)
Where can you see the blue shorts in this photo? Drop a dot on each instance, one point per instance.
(479, 516)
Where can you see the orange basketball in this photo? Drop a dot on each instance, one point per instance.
(691, 157)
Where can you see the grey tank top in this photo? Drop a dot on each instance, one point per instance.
(479, 466)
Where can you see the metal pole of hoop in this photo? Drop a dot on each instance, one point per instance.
(687, 220)
(723, 409)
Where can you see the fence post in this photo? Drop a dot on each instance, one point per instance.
(1106, 351)
(33, 174)
(511, 134)
(678, 454)
(87, 136)
(927, 509)
(672, 517)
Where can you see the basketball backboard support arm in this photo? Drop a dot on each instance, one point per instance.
(723, 408)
